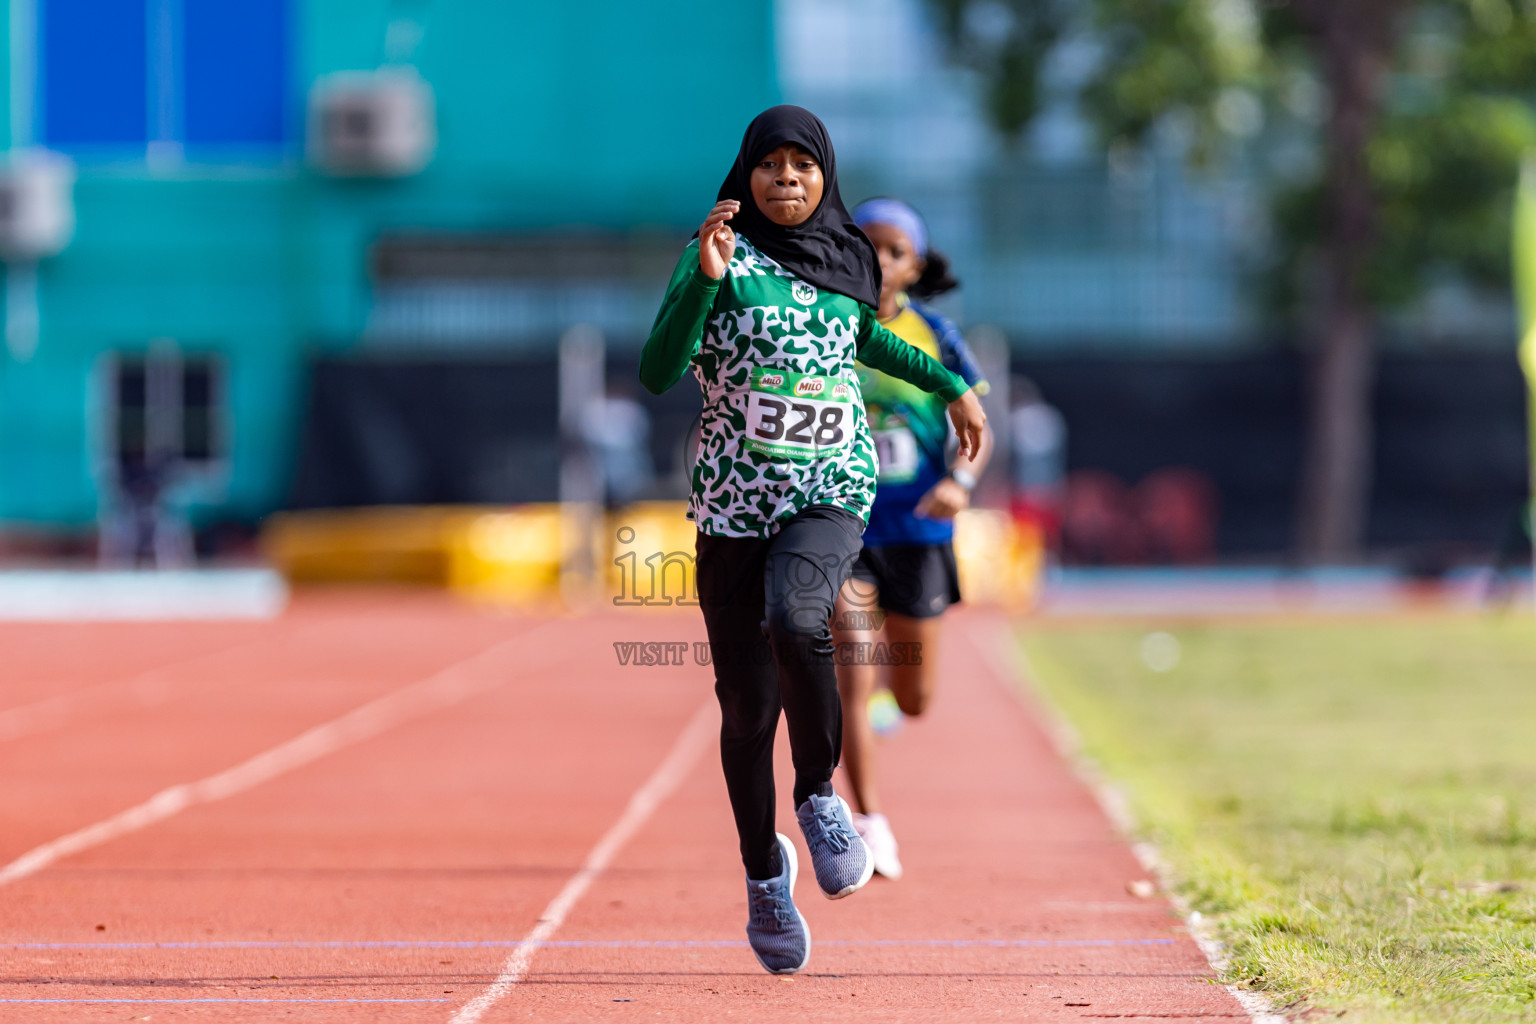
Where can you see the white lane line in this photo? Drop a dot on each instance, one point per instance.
(1008, 663)
(443, 689)
(144, 690)
(690, 743)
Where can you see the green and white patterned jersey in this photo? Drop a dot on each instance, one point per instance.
(783, 425)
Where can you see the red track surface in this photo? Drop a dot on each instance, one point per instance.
(459, 825)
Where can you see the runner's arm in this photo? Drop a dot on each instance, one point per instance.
(879, 349)
(954, 353)
(679, 325)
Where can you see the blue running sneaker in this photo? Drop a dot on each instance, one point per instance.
(841, 859)
(778, 935)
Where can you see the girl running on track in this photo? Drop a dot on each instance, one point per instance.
(907, 566)
(771, 315)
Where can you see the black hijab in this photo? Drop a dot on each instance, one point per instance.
(827, 249)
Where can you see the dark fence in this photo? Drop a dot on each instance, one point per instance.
(1451, 458)
(413, 432)
(410, 431)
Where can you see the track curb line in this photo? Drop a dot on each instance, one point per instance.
(1011, 664)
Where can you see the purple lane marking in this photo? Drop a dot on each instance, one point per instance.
(581, 944)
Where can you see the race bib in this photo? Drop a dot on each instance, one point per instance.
(799, 415)
(896, 448)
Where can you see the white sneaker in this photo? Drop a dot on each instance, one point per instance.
(875, 830)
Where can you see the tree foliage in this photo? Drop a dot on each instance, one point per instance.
(1007, 41)
(1453, 112)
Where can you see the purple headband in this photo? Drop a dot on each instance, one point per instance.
(898, 215)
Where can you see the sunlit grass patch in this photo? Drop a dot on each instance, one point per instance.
(1354, 802)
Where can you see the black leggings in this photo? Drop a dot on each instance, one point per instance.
(767, 605)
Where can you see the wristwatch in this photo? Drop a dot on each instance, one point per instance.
(964, 477)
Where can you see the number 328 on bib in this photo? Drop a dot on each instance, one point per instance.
(799, 415)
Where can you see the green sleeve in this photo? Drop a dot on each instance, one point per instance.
(679, 325)
(879, 349)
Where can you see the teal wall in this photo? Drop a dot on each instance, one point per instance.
(550, 116)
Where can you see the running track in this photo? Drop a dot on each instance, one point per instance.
(362, 811)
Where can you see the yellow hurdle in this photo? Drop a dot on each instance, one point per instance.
(1000, 562)
(577, 557)
(386, 544)
(651, 553)
(511, 557)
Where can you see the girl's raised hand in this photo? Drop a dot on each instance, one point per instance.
(968, 417)
(717, 242)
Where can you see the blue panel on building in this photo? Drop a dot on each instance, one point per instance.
(235, 71)
(93, 72)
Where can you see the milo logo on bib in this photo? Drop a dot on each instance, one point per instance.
(800, 416)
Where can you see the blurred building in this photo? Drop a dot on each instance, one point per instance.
(567, 135)
(368, 222)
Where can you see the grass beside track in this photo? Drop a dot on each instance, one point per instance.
(1354, 802)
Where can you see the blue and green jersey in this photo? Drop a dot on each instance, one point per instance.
(911, 429)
